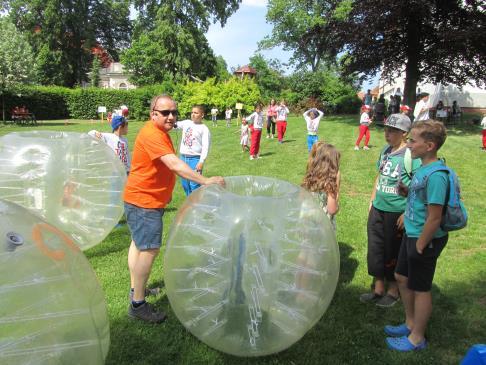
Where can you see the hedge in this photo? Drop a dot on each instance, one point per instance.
(82, 103)
(53, 102)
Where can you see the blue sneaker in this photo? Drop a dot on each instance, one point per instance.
(403, 344)
(397, 331)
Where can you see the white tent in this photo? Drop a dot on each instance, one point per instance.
(467, 97)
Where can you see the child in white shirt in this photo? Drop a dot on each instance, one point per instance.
(282, 112)
(214, 115)
(194, 145)
(116, 140)
(256, 120)
(227, 115)
(312, 118)
(364, 131)
(244, 135)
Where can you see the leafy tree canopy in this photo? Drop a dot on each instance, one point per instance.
(62, 34)
(197, 13)
(169, 41)
(16, 59)
(169, 52)
(431, 41)
(293, 23)
(269, 77)
(222, 73)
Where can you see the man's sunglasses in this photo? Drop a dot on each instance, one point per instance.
(166, 112)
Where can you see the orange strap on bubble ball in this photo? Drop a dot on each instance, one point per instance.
(40, 243)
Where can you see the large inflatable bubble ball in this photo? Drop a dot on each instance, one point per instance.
(72, 180)
(251, 267)
(52, 309)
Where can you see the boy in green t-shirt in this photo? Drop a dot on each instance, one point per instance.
(424, 240)
(385, 219)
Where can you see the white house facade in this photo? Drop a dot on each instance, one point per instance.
(113, 77)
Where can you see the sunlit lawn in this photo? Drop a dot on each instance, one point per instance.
(349, 332)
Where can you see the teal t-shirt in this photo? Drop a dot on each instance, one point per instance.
(420, 195)
(391, 170)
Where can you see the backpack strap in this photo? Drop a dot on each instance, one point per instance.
(450, 174)
(407, 162)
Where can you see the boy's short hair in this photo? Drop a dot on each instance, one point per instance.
(200, 107)
(431, 131)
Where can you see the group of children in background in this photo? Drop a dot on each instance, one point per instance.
(253, 124)
(405, 238)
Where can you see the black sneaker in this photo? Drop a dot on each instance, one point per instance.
(387, 301)
(146, 313)
(148, 292)
(370, 297)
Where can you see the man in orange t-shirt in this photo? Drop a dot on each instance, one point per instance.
(148, 190)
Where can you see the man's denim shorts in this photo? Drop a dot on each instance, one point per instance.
(145, 225)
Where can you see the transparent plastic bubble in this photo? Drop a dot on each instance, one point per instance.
(52, 309)
(72, 180)
(250, 268)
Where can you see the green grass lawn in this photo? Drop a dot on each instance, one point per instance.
(349, 332)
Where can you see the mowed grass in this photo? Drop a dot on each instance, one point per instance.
(349, 332)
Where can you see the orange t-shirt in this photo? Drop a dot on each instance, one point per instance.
(150, 183)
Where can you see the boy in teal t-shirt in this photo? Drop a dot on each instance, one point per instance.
(385, 218)
(424, 240)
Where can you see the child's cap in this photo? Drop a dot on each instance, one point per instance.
(399, 121)
(405, 108)
(366, 107)
(117, 121)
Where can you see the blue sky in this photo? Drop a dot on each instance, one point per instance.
(239, 38)
(237, 41)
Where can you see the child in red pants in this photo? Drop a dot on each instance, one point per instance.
(282, 112)
(256, 121)
(364, 130)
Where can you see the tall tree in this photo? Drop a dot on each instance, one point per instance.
(94, 75)
(428, 40)
(169, 41)
(293, 23)
(198, 13)
(63, 33)
(269, 77)
(16, 59)
(222, 73)
(169, 52)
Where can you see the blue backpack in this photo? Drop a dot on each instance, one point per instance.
(454, 216)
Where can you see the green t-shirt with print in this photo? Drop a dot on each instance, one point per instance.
(391, 169)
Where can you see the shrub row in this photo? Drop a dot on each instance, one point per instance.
(82, 103)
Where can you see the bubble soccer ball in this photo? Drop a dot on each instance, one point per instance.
(52, 309)
(250, 268)
(72, 180)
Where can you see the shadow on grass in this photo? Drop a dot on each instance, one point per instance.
(348, 265)
(267, 154)
(350, 332)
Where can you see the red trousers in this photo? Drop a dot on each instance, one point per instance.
(281, 128)
(256, 134)
(484, 138)
(363, 131)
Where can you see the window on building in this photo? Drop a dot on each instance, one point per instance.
(123, 86)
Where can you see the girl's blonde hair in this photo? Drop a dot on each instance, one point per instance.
(322, 169)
